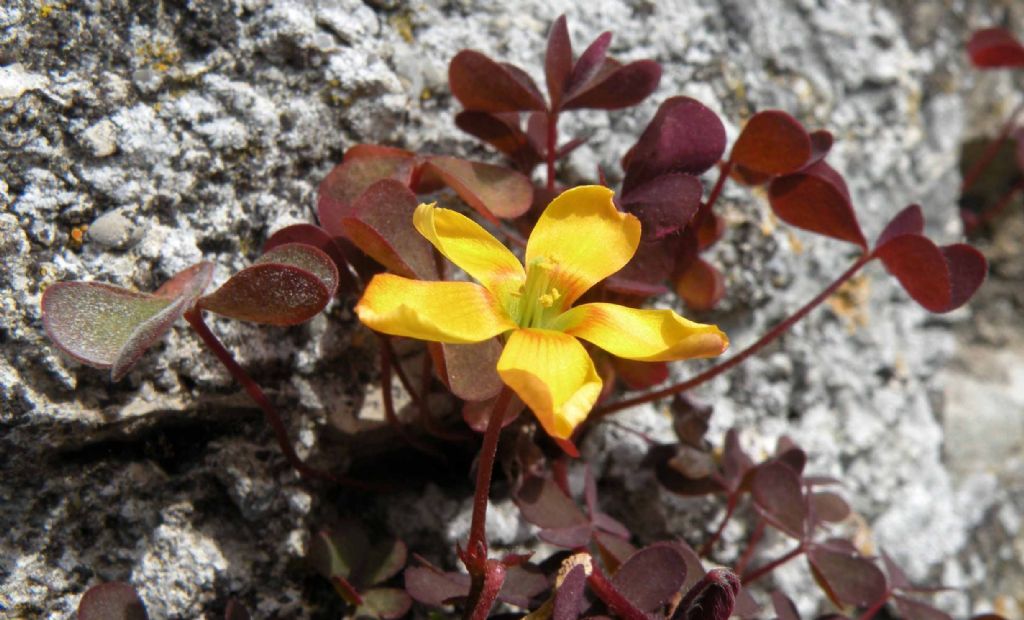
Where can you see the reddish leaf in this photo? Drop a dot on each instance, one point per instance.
(684, 470)
(433, 587)
(384, 603)
(784, 607)
(614, 549)
(363, 165)
(701, 286)
(105, 326)
(477, 413)
(897, 577)
(589, 64)
(288, 285)
(111, 601)
(995, 47)
(684, 136)
(469, 370)
(710, 231)
(651, 576)
(779, 497)
(501, 131)
(569, 596)
(382, 562)
(558, 60)
(338, 554)
(690, 420)
(967, 270)
(615, 86)
(940, 279)
(711, 598)
(821, 144)
(318, 238)
(639, 375)
(542, 503)
(735, 462)
(483, 85)
(633, 288)
(847, 578)
(494, 191)
(909, 221)
(653, 262)
(829, 507)
(665, 204)
(916, 610)
(380, 224)
(523, 582)
(773, 143)
(817, 200)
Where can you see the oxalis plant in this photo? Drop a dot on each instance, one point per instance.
(533, 298)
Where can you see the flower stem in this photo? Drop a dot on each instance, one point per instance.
(386, 364)
(735, 360)
(770, 566)
(194, 317)
(991, 150)
(752, 542)
(552, 148)
(476, 549)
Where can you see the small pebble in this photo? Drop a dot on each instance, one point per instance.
(112, 230)
(101, 138)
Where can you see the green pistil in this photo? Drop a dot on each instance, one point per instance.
(537, 302)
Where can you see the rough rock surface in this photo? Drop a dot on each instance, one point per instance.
(178, 131)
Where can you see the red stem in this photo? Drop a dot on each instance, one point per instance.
(991, 213)
(484, 591)
(476, 548)
(716, 190)
(386, 363)
(388, 346)
(616, 602)
(552, 148)
(770, 566)
(748, 553)
(729, 509)
(194, 317)
(991, 150)
(735, 360)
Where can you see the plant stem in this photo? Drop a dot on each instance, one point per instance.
(616, 602)
(729, 509)
(991, 213)
(476, 548)
(194, 317)
(735, 360)
(991, 150)
(716, 190)
(552, 148)
(770, 566)
(386, 364)
(748, 553)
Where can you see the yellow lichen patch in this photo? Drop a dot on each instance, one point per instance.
(850, 302)
(403, 25)
(159, 55)
(47, 9)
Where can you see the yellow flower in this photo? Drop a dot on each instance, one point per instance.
(580, 239)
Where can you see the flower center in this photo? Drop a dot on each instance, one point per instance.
(536, 302)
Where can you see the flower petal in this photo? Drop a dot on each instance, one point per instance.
(554, 376)
(453, 312)
(586, 238)
(468, 245)
(646, 335)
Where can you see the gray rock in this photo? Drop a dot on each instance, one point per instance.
(211, 124)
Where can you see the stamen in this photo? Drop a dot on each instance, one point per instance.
(536, 295)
